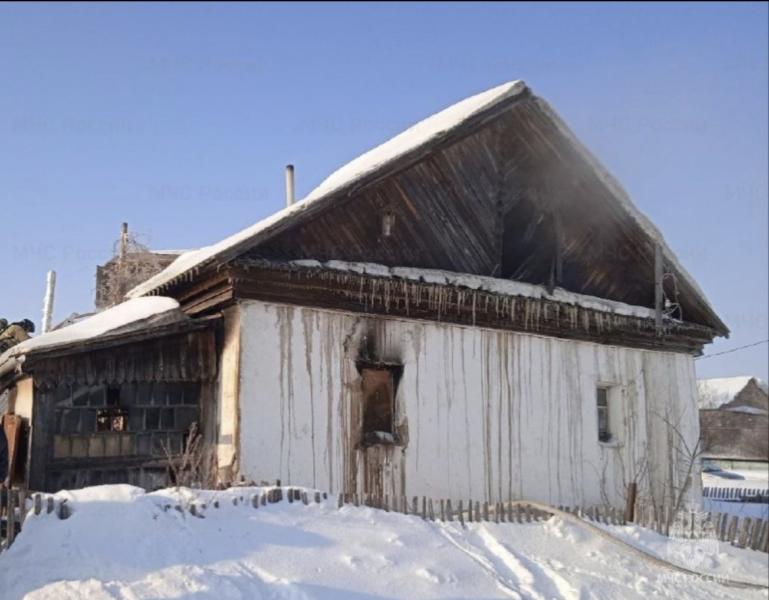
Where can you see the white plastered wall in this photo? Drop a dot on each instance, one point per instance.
(490, 415)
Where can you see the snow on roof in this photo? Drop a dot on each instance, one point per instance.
(750, 410)
(504, 287)
(714, 393)
(412, 138)
(118, 319)
(409, 140)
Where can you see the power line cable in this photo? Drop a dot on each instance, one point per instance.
(732, 350)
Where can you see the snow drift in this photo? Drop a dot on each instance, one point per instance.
(121, 542)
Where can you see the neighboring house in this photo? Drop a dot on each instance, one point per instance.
(132, 264)
(474, 309)
(734, 422)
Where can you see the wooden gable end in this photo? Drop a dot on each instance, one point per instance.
(510, 199)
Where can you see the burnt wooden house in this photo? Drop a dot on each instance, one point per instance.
(474, 308)
(112, 398)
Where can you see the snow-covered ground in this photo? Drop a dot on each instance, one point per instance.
(741, 479)
(121, 542)
(737, 478)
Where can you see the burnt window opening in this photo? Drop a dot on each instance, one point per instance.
(602, 403)
(112, 418)
(379, 383)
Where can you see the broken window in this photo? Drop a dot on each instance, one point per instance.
(378, 419)
(112, 418)
(602, 401)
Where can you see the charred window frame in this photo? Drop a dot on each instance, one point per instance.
(113, 417)
(379, 384)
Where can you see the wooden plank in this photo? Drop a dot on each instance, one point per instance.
(10, 522)
(742, 538)
(658, 291)
(632, 490)
(758, 530)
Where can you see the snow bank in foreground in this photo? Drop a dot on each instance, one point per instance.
(123, 543)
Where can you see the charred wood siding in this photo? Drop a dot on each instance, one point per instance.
(453, 304)
(162, 386)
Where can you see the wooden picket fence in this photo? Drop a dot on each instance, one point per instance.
(741, 532)
(474, 511)
(734, 494)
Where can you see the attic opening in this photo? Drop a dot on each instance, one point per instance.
(379, 384)
(529, 244)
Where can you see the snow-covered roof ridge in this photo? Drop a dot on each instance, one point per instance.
(714, 393)
(122, 318)
(416, 136)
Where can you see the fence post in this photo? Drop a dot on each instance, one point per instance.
(461, 516)
(723, 521)
(744, 532)
(764, 546)
(10, 521)
(449, 515)
(632, 490)
(758, 530)
(63, 512)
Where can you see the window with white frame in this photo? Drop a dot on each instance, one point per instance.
(604, 419)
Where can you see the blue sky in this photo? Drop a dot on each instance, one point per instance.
(179, 119)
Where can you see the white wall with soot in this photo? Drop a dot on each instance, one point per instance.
(489, 415)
